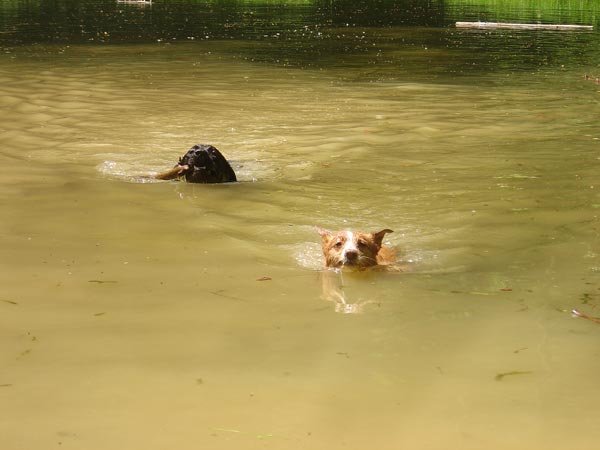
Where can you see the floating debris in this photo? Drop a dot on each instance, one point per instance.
(24, 353)
(222, 293)
(501, 376)
(227, 430)
(10, 302)
(577, 313)
(523, 26)
(144, 2)
(264, 279)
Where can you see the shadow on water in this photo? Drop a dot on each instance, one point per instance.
(111, 21)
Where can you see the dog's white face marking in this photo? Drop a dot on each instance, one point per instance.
(347, 248)
(350, 250)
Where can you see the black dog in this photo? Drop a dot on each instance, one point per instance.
(201, 164)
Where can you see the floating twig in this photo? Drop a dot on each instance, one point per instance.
(523, 26)
(135, 1)
(577, 313)
(501, 376)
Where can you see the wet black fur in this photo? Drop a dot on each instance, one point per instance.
(206, 165)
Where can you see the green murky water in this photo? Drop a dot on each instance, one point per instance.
(156, 315)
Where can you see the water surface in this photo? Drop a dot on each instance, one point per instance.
(140, 314)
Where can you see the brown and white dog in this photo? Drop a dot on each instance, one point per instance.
(355, 249)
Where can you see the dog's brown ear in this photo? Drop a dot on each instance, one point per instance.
(378, 237)
(325, 234)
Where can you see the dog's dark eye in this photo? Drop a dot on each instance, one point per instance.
(362, 244)
(338, 244)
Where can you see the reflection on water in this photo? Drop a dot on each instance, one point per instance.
(165, 314)
(352, 292)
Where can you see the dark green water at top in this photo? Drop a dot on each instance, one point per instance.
(390, 38)
(159, 315)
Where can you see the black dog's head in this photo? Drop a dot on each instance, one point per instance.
(206, 164)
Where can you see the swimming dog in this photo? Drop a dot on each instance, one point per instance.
(201, 164)
(355, 249)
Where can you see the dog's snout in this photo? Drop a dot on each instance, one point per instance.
(351, 255)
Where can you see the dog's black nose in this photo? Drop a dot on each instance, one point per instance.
(351, 255)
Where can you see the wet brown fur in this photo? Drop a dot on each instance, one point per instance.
(365, 250)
